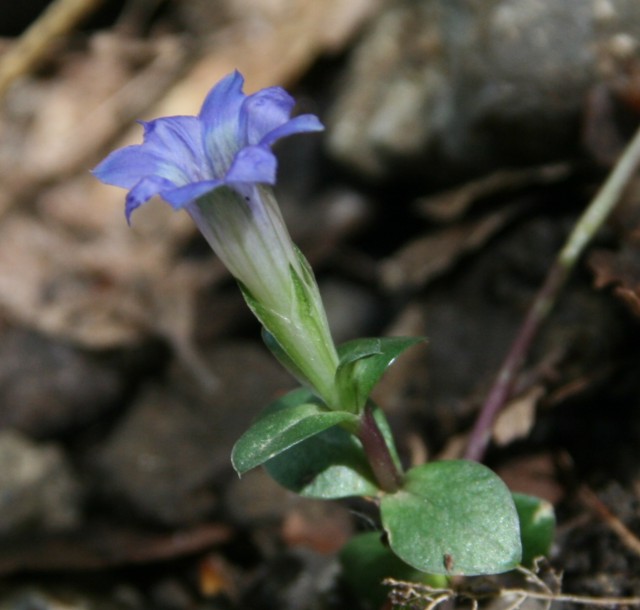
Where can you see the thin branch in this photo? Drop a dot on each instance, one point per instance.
(584, 230)
(626, 536)
(575, 599)
(58, 19)
(408, 592)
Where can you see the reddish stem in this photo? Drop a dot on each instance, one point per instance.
(377, 451)
(589, 222)
(503, 384)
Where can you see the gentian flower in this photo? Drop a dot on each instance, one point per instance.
(219, 167)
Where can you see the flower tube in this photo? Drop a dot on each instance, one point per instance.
(220, 168)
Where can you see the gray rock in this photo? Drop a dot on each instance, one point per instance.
(296, 580)
(461, 86)
(163, 458)
(48, 387)
(37, 487)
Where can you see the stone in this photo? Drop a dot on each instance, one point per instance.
(163, 459)
(38, 489)
(48, 387)
(443, 89)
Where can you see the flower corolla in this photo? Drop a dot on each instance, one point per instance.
(228, 144)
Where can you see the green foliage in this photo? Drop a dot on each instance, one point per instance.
(453, 517)
(537, 526)
(331, 464)
(366, 561)
(328, 465)
(299, 418)
(362, 363)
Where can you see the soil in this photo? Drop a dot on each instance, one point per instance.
(129, 364)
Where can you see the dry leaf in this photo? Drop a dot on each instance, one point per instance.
(621, 270)
(517, 418)
(427, 257)
(452, 204)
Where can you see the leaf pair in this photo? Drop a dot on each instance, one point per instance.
(300, 415)
(449, 517)
(313, 454)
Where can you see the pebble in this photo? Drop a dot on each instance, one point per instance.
(37, 486)
(163, 458)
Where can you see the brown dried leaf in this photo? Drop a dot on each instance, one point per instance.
(518, 416)
(105, 547)
(425, 258)
(321, 526)
(535, 475)
(450, 205)
(621, 270)
(105, 292)
(271, 47)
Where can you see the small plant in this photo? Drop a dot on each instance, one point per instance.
(327, 439)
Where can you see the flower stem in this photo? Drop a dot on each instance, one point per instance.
(387, 474)
(586, 227)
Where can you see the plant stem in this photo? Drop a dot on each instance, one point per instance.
(586, 227)
(377, 451)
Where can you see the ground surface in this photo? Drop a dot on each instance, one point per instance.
(460, 149)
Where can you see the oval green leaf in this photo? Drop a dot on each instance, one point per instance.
(453, 517)
(329, 465)
(366, 562)
(283, 425)
(362, 364)
(537, 526)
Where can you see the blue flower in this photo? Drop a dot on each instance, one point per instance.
(219, 167)
(229, 144)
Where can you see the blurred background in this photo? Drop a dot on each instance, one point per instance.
(463, 139)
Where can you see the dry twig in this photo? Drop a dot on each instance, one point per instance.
(58, 19)
(626, 536)
(424, 597)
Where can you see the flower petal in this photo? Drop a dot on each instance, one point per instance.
(143, 191)
(182, 196)
(220, 117)
(177, 143)
(125, 167)
(263, 112)
(301, 124)
(255, 164)
(172, 149)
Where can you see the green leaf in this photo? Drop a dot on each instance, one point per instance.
(362, 363)
(537, 526)
(329, 465)
(366, 561)
(453, 517)
(279, 429)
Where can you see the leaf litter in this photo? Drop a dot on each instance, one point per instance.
(73, 271)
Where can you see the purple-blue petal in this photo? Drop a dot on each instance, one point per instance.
(125, 167)
(180, 197)
(263, 112)
(183, 158)
(143, 191)
(223, 102)
(219, 116)
(172, 149)
(301, 124)
(255, 164)
(177, 144)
